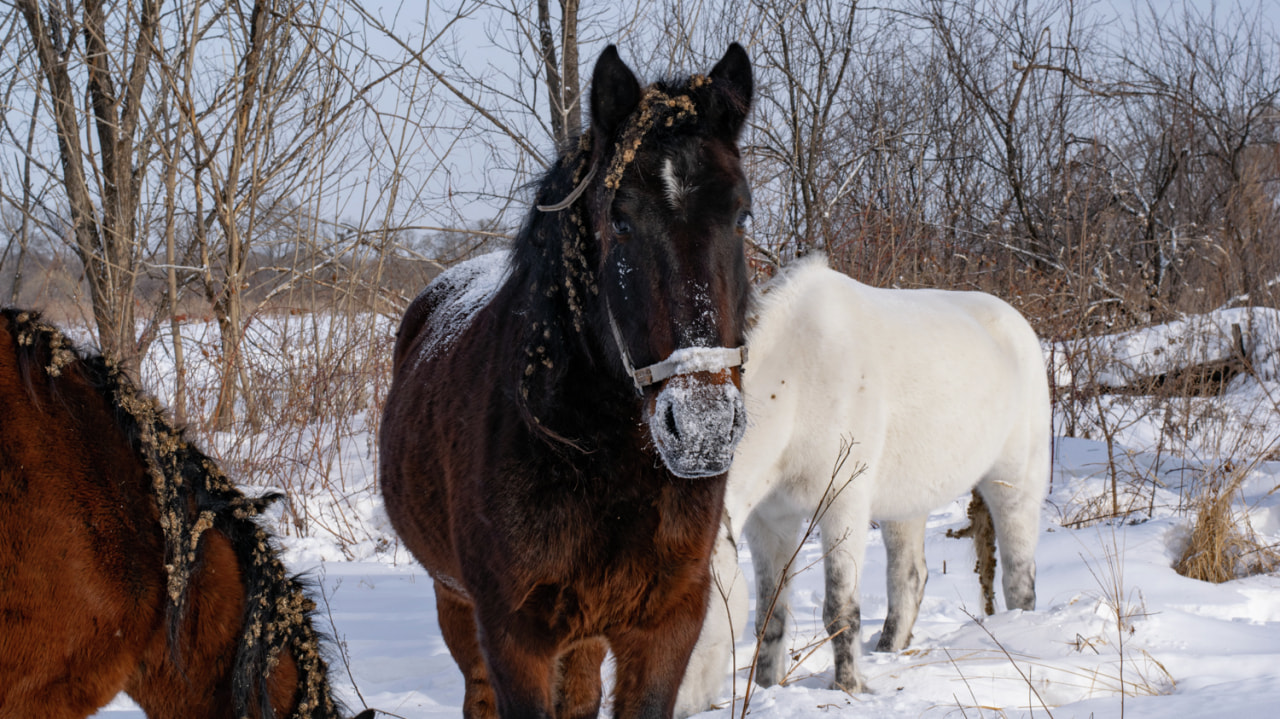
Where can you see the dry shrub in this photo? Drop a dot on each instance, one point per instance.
(319, 380)
(1223, 546)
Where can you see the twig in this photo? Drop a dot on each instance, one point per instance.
(340, 641)
(1017, 668)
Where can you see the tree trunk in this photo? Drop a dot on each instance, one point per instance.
(105, 240)
(571, 88)
(563, 92)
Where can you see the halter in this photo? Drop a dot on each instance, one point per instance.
(685, 360)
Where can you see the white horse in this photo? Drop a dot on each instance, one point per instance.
(931, 393)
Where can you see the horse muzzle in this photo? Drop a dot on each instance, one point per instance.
(698, 417)
(696, 422)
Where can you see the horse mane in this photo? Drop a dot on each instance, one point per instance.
(781, 289)
(193, 496)
(553, 271)
(555, 256)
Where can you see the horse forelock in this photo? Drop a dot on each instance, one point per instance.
(192, 495)
(660, 107)
(664, 106)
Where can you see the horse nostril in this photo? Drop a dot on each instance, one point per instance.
(669, 420)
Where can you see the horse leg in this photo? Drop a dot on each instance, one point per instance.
(772, 538)
(1015, 512)
(578, 692)
(458, 626)
(906, 576)
(726, 615)
(522, 658)
(844, 544)
(652, 657)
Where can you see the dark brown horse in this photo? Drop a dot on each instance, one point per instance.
(564, 501)
(128, 561)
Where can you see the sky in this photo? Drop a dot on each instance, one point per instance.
(483, 43)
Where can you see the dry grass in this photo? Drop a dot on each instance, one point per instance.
(1222, 545)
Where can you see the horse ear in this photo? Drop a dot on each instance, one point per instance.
(615, 93)
(734, 70)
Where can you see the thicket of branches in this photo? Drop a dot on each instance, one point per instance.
(1096, 174)
(230, 159)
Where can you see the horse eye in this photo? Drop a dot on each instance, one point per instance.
(621, 227)
(744, 219)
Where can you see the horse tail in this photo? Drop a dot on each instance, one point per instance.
(193, 496)
(982, 530)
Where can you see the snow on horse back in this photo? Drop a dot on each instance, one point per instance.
(929, 393)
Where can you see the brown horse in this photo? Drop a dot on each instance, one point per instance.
(564, 501)
(128, 561)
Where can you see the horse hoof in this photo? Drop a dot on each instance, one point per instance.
(886, 644)
(767, 677)
(854, 685)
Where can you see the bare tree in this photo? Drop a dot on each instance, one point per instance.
(80, 64)
(1201, 93)
(253, 135)
(805, 62)
(563, 89)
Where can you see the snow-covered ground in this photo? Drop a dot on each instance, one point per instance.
(1116, 631)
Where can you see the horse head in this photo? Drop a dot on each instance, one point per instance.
(668, 206)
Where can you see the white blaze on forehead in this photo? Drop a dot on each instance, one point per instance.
(676, 188)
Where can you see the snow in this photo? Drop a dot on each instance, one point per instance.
(1116, 631)
(471, 285)
(1118, 360)
(1244, 422)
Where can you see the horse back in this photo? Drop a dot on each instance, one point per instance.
(930, 384)
(445, 309)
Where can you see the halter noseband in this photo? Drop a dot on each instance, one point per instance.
(685, 360)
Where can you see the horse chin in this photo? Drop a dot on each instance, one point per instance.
(696, 426)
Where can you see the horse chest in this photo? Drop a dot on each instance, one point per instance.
(588, 546)
(601, 515)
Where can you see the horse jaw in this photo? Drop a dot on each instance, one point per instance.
(696, 424)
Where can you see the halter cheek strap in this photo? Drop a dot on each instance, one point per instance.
(685, 360)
